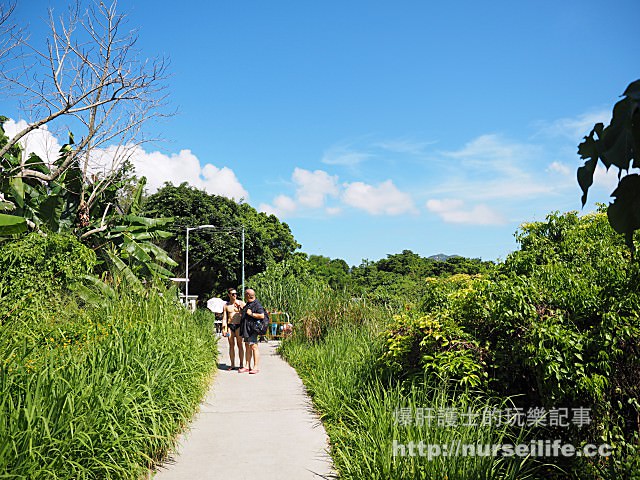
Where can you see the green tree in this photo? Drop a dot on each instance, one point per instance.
(335, 272)
(215, 254)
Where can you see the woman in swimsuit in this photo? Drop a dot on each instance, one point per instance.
(231, 316)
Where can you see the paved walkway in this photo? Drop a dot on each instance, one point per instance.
(253, 427)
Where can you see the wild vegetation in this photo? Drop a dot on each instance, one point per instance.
(94, 388)
(553, 328)
(101, 367)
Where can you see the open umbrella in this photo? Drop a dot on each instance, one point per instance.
(216, 305)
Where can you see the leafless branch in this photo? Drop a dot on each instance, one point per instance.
(91, 76)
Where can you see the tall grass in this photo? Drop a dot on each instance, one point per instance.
(313, 306)
(99, 392)
(359, 408)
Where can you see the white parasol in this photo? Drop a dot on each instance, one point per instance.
(216, 305)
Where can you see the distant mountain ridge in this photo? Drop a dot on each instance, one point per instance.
(441, 257)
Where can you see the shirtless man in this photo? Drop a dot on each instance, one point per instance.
(231, 316)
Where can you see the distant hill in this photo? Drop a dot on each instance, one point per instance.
(441, 257)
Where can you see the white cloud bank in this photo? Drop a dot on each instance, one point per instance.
(385, 199)
(40, 141)
(186, 167)
(312, 190)
(454, 211)
(156, 166)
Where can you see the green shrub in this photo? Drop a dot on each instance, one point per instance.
(556, 324)
(37, 263)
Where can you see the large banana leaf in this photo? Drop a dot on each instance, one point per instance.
(160, 254)
(12, 224)
(132, 281)
(147, 221)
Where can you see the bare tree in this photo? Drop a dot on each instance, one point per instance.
(91, 76)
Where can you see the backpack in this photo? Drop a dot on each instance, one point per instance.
(262, 326)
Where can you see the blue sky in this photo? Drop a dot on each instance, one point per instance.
(371, 127)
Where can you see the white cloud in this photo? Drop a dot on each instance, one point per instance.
(40, 141)
(282, 206)
(157, 167)
(313, 187)
(312, 190)
(491, 167)
(341, 155)
(404, 146)
(561, 168)
(454, 211)
(333, 210)
(608, 180)
(575, 128)
(492, 151)
(186, 167)
(385, 199)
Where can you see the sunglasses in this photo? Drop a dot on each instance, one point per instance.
(233, 293)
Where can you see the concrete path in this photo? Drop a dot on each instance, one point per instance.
(253, 427)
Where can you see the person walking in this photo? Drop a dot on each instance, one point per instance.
(252, 311)
(231, 319)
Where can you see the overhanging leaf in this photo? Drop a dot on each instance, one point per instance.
(633, 91)
(126, 272)
(12, 224)
(585, 177)
(616, 144)
(624, 212)
(51, 210)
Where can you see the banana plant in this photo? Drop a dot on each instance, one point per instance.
(119, 235)
(133, 238)
(30, 202)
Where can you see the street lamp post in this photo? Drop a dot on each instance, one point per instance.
(242, 259)
(186, 273)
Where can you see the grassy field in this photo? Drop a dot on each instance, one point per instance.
(361, 408)
(99, 392)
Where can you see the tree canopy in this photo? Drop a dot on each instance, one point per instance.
(215, 254)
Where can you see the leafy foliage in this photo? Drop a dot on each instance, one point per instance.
(401, 276)
(437, 346)
(617, 145)
(557, 324)
(52, 205)
(215, 254)
(45, 264)
(111, 226)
